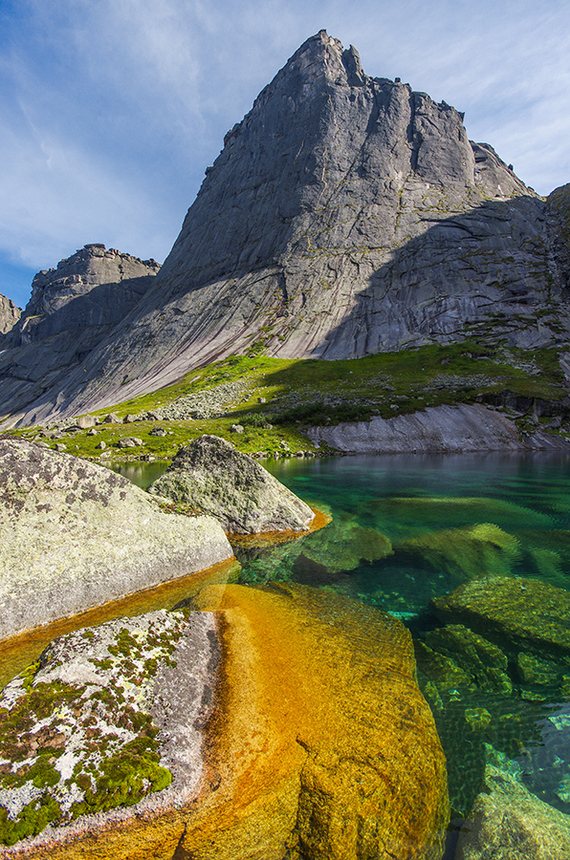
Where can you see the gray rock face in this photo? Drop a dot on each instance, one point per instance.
(212, 476)
(346, 215)
(112, 715)
(437, 428)
(509, 823)
(74, 535)
(71, 309)
(9, 315)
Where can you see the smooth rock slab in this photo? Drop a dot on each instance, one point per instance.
(212, 476)
(74, 535)
(437, 428)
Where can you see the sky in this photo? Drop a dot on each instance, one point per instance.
(110, 110)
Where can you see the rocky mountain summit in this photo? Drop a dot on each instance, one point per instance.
(71, 310)
(346, 215)
(9, 315)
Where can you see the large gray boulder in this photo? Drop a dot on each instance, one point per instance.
(113, 716)
(509, 823)
(74, 535)
(212, 476)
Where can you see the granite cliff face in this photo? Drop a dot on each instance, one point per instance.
(71, 310)
(9, 315)
(346, 215)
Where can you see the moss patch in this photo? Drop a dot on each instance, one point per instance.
(67, 748)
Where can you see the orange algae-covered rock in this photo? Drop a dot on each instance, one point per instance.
(322, 747)
(322, 709)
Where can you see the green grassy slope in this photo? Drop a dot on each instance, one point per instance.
(273, 399)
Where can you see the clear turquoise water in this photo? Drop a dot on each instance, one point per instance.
(402, 533)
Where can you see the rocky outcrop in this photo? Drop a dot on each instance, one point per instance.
(71, 309)
(107, 722)
(9, 315)
(212, 476)
(321, 743)
(346, 215)
(509, 823)
(437, 429)
(74, 535)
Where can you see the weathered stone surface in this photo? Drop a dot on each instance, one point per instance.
(323, 745)
(356, 217)
(509, 823)
(212, 475)
(74, 535)
(437, 428)
(523, 614)
(111, 714)
(71, 310)
(9, 315)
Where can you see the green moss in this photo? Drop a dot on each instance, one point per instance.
(31, 820)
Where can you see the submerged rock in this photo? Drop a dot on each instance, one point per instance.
(74, 535)
(467, 553)
(321, 744)
(522, 614)
(108, 716)
(342, 546)
(413, 515)
(211, 475)
(483, 661)
(509, 823)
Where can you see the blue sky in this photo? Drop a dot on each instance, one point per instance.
(110, 110)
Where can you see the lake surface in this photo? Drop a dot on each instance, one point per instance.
(409, 528)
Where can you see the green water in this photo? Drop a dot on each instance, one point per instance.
(407, 529)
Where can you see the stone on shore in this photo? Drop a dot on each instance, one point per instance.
(211, 475)
(74, 535)
(108, 716)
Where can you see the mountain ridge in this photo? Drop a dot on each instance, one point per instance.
(346, 215)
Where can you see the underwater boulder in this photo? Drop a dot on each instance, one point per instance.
(522, 614)
(212, 476)
(412, 515)
(467, 553)
(507, 822)
(74, 535)
(320, 743)
(484, 662)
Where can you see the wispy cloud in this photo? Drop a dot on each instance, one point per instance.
(111, 110)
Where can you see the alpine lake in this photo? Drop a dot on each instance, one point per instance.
(408, 529)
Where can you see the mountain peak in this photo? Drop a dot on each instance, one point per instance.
(346, 215)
